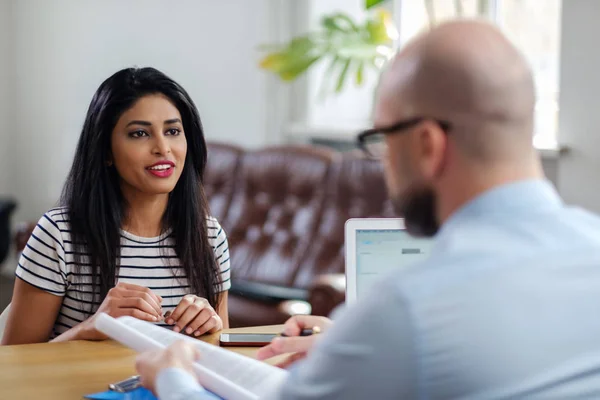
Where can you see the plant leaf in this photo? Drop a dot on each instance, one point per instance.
(351, 48)
(342, 18)
(359, 73)
(292, 60)
(297, 67)
(297, 49)
(333, 24)
(381, 27)
(373, 3)
(324, 87)
(272, 61)
(357, 51)
(342, 77)
(300, 45)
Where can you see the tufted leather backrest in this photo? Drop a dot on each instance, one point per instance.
(356, 189)
(275, 211)
(219, 177)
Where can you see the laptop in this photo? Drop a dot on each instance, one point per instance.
(375, 246)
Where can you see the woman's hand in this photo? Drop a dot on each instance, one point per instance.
(194, 315)
(179, 355)
(293, 343)
(125, 299)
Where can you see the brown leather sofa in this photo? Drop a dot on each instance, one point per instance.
(284, 210)
(285, 222)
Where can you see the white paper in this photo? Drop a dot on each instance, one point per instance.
(225, 373)
(255, 376)
(140, 342)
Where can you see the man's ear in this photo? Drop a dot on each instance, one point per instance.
(431, 146)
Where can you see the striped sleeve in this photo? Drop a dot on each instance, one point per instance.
(42, 261)
(218, 240)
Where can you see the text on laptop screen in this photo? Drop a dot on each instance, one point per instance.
(381, 250)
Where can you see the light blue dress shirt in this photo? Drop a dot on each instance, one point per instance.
(507, 306)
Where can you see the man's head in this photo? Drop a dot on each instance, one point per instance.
(468, 96)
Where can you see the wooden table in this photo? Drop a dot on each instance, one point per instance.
(73, 369)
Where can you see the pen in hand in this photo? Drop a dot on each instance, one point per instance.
(306, 332)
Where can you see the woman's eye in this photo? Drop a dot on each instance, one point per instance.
(138, 134)
(173, 132)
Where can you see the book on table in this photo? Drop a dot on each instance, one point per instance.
(227, 374)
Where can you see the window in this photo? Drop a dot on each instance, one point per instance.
(342, 115)
(534, 27)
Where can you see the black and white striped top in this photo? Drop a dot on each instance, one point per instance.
(47, 263)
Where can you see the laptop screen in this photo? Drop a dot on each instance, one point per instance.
(381, 250)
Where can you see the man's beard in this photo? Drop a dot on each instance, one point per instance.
(418, 208)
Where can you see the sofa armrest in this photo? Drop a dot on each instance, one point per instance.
(326, 292)
(267, 292)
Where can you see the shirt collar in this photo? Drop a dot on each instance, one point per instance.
(512, 198)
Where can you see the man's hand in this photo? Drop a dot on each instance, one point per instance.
(298, 345)
(180, 354)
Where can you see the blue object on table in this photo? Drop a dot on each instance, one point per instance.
(137, 394)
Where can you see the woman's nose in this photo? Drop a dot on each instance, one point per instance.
(161, 145)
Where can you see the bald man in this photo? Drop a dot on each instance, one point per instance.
(506, 306)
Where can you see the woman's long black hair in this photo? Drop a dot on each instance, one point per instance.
(93, 197)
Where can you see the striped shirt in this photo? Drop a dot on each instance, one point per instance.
(47, 262)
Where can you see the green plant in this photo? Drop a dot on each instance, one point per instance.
(349, 46)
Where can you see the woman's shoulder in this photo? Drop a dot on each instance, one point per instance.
(216, 234)
(58, 212)
(55, 219)
(51, 231)
(212, 223)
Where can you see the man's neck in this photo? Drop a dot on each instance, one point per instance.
(472, 184)
(144, 214)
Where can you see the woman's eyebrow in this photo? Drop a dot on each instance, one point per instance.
(138, 122)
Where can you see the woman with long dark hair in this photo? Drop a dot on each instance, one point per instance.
(132, 235)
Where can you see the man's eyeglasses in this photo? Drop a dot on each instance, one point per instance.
(372, 141)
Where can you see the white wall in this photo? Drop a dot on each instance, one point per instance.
(54, 54)
(65, 48)
(6, 124)
(579, 126)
